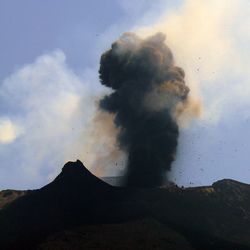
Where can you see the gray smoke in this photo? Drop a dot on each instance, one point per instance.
(147, 92)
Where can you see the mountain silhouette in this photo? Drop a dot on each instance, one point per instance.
(79, 209)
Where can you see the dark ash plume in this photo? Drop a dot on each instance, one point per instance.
(148, 91)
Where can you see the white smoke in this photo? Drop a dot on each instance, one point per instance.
(49, 109)
(210, 41)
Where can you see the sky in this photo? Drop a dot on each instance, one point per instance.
(49, 86)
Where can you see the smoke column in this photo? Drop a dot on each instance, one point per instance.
(149, 94)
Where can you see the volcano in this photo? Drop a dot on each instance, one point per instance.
(79, 211)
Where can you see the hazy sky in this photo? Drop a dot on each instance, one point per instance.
(50, 53)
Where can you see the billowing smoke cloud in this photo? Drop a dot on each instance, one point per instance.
(149, 94)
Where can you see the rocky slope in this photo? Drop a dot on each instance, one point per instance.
(145, 234)
(90, 212)
(7, 196)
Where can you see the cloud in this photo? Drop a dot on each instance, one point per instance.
(8, 130)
